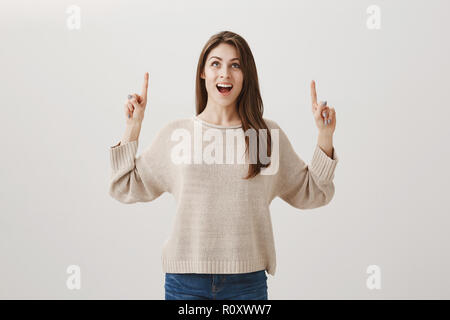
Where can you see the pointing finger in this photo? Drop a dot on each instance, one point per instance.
(145, 87)
(313, 93)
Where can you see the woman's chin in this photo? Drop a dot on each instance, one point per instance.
(224, 101)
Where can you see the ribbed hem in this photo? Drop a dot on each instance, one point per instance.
(216, 266)
(322, 165)
(123, 155)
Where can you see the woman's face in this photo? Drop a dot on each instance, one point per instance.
(223, 66)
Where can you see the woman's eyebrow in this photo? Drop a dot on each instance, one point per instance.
(221, 58)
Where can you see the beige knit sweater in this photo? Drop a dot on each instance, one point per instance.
(223, 222)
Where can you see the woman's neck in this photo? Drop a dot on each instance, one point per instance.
(220, 115)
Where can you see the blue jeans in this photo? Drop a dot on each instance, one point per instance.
(204, 286)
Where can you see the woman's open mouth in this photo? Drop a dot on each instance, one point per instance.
(224, 89)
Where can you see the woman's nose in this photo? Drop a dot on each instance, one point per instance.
(224, 72)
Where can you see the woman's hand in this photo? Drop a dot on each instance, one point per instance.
(135, 105)
(324, 116)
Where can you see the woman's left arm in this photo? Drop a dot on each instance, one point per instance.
(309, 186)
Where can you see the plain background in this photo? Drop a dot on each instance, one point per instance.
(62, 95)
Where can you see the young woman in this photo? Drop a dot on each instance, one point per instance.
(222, 242)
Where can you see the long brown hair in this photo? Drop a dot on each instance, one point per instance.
(249, 103)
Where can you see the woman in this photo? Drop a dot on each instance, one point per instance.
(222, 242)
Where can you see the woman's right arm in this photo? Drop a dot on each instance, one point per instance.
(136, 179)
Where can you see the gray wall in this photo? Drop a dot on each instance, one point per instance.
(62, 94)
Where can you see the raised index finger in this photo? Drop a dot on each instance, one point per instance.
(313, 93)
(145, 87)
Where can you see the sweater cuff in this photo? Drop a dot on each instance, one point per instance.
(123, 155)
(322, 165)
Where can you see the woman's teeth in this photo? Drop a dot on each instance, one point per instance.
(224, 87)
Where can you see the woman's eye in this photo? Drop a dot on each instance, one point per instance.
(234, 64)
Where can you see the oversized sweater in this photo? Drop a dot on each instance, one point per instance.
(222, 222)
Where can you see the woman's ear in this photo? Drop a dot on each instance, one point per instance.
(202, 75)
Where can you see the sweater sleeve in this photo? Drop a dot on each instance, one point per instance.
(301, 185)
(138, 179)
